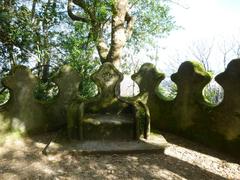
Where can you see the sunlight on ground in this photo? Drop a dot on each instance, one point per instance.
(22, 158)
(206, 162)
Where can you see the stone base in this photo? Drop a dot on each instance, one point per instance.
(155, 143)
(108, 127)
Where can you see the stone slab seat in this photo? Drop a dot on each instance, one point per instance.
(108, 127)
(156, 143)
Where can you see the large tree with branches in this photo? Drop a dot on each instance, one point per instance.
(112, 23)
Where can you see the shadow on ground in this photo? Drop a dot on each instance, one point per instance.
(22, 158)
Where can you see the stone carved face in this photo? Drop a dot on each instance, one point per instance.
(107, 76)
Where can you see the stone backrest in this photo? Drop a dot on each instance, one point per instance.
(107, 79)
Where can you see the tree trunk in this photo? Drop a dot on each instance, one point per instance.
(118, 35)
(46, 54)
(121, 28)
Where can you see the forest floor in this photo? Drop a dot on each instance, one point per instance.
(21, 158)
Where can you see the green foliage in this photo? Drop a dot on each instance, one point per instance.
(168, 91)
(80, 51)
(4, 96)
(152, 21)
(44, 36)
(212, 94)
(46, 91)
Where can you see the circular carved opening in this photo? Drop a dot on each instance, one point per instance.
(4, 96)
(87, 88)
(168, 89)
(46, 91)
(128, 88)
(213, 93)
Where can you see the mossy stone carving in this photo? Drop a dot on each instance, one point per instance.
(26, 114)
(22, 111)
(148, 80)
(67, 80)
(107, 79)
(227, 114)
(191, 78)
(108, 116)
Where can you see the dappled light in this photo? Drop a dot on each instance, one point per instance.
(46, 91)
(88, 89)
(205, 159)
(182, 159)
(82, 95)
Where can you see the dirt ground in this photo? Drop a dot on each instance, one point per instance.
(21, 158)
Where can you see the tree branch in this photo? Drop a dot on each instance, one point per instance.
(72, 15)
(102, 49)
(133, 4)
(84, 6)
(130, 24)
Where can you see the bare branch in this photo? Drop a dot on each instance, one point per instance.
(225, 50)
(72, 15)
(178, 4)
(202, 52)
(133, 4)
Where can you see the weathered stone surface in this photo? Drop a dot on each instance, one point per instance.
(148, 80)
(108, 79)
(22, 112)
(189, 104)
(155, 143)
(107, 103)
(227, 115)
(187, 107)
(108, 127)
(28, 115)
(68, 81)
(111, 117)
(189, 114)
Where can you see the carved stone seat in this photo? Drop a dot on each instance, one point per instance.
(108, 127)
(107, 116)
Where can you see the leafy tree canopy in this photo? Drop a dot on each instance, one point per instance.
(113, 23)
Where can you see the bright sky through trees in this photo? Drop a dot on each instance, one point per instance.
(213, 24)
(205, 21)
